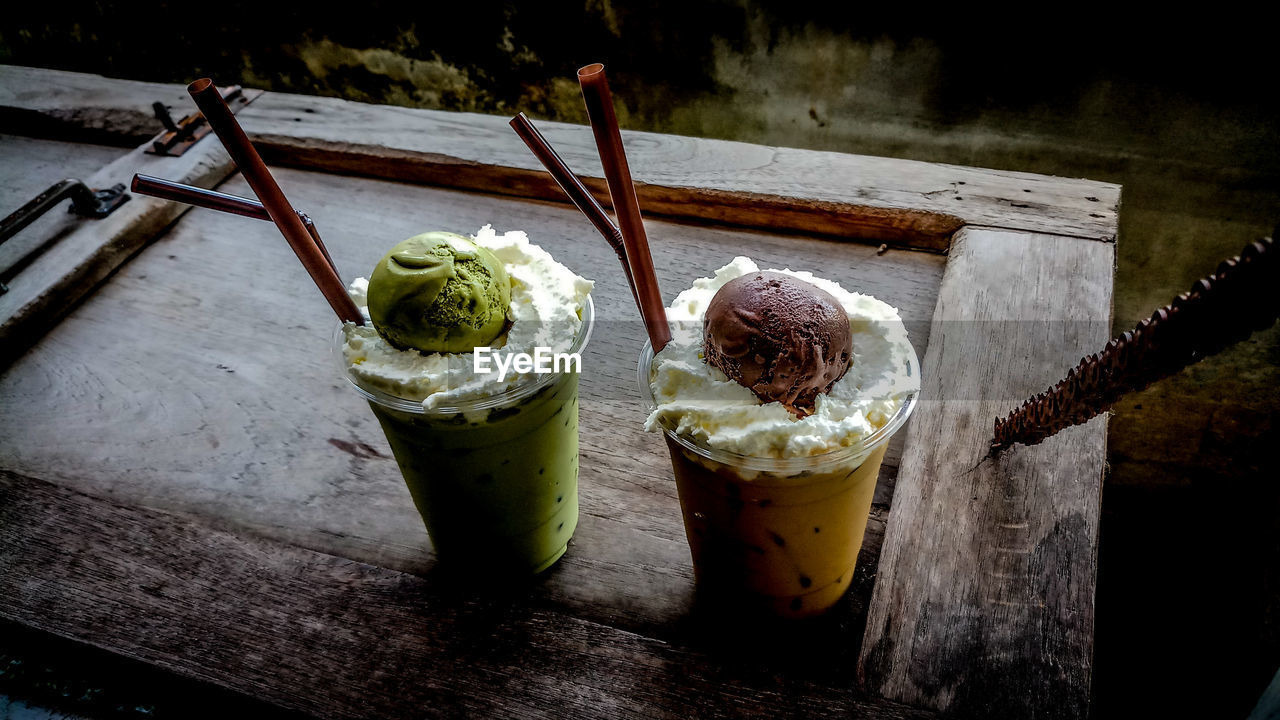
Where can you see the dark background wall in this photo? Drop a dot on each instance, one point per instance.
(1180, 111)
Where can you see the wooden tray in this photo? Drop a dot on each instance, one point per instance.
(186, 479)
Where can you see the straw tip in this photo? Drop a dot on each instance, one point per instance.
(199, 86)
(589, 71)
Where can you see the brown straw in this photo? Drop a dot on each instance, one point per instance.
(1218, 311)
(255, 172)
(572, 186)
(222, 202)
(315, 235)
(622, 192)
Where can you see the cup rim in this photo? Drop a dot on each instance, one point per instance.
(785, 465)
(505, 398)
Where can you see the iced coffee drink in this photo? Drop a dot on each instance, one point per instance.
(777, 396)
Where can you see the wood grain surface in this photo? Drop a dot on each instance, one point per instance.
(214, 348)
(984, 600)
(899, 201)
(30, 166)
(341, 639)
(204, 441)
(91, 108)
(36, 101)
(81, 252)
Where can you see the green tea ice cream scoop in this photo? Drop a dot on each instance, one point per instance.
(439, 292)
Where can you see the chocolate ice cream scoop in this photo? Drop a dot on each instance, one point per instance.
(780, 337)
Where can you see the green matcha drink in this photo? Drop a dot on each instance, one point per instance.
(490, 457)
(498, 490)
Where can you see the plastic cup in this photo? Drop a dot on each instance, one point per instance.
(494, 478)
(777, 536)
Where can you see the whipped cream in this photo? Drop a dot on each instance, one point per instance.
(699, 401)
(547, 301)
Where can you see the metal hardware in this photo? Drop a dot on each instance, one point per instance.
(85, 202)
(162, 114)
(180, 136)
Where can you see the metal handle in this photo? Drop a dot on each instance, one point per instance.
(85, 202)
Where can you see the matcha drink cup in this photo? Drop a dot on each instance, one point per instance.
(496, 478)
(777, 397)
(491, 463)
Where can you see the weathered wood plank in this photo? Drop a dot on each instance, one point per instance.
(908, 202)
(31, 165)
(215, 346)
(341, 639)
(82, 252)
(28, 167)
(203, 402)
(984, 601)
(90, 107)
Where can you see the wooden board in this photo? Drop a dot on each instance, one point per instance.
(174, 392)
(341, 639)
(992, 563)
(85, 251)
(31, 166)
(35, 101)
(224, 331)
(913, 203)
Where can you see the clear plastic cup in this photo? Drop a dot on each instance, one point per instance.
(775, 535)
(494, 478)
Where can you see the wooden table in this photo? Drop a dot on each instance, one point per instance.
(185, 479)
